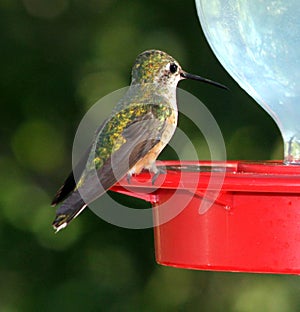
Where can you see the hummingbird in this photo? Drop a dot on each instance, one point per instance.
(130, 140)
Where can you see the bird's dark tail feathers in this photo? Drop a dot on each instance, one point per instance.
(68, 211)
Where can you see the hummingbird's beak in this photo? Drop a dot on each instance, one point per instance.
(186, 75)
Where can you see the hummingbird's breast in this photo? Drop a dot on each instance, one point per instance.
(171, 124)
(148, 161)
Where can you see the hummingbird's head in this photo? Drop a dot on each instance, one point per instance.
(154, 66)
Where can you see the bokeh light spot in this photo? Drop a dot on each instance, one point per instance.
(21, 202)
(38, 146)
(45, 8)
(41, 227)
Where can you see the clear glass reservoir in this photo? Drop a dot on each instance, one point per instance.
(258, 43)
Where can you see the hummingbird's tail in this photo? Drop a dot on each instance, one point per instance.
(68, 211)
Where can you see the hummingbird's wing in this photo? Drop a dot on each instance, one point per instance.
(123, 140)
(69, 185)
(140, 137)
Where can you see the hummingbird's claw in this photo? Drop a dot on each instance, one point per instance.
(157, 173)
(128, 178)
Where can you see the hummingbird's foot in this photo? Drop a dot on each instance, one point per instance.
(128, 178)
(157, 172)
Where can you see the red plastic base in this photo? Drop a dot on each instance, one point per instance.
(253, 226)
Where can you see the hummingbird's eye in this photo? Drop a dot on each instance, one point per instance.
(173, 68)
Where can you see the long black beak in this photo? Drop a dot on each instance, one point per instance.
(186, 75)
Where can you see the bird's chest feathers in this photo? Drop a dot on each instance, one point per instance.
(171, 124)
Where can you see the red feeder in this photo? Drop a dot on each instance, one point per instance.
(253, 225)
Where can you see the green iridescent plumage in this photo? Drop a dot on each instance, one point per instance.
(148, 66)
(111, 138)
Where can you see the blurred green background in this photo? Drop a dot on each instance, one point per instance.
(57, 58)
